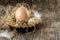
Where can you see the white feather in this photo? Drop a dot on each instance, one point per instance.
(6, 35)
(35, 20)
(37, 15)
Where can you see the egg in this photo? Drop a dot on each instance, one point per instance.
(22, 14)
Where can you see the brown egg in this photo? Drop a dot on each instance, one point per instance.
(22, 14)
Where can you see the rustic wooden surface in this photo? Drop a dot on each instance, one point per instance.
(50, 10)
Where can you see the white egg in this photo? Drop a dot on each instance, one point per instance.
(33, 22)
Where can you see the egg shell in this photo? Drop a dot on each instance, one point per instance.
(22, 14)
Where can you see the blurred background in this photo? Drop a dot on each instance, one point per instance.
(50, 10)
